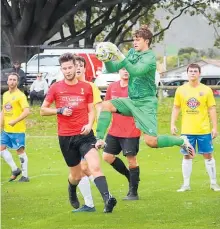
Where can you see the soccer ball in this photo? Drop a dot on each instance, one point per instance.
(102, 52)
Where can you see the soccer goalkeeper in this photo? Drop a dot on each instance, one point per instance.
(142, 102)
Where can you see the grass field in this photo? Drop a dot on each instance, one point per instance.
(43, 202)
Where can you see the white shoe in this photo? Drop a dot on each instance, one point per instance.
(215, 187)
(184, 188)
(188, 147)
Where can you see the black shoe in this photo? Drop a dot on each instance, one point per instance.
(24, 179)
(110, 204)
(131, 196)
(73, 197)
(15, 174)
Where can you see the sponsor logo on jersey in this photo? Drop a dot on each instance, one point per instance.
(8, 107)
(193, 103)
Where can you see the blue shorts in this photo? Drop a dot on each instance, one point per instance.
(13, 140)
(203, 142)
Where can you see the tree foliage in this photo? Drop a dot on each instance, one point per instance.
(33, 22)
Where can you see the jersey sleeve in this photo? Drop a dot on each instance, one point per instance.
(177, 98)
(210, 98)
(142, 67)
(96, 94)
(23, 101)
(51, 94)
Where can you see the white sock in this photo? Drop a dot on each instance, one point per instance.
(91, 177)
(24, 164)
(85, 189)
(186, 170)
(211, 169)
(9, 159)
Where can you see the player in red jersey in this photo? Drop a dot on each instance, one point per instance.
(75, 115)
(123, 136)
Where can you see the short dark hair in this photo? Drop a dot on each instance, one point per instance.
(144, 32)
(14, 74)
(194, 66)
(66, 57)
(80, 59)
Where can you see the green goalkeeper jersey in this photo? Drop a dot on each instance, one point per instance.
(142, 68)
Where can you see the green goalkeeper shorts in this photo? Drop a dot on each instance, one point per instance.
(144, 112)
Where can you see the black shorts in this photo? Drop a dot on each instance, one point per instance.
(75, 147)
(129, 146)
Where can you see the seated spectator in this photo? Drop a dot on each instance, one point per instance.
(38, 89)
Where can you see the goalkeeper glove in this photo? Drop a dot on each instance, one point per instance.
(113, 49)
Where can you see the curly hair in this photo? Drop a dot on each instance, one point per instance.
(144, 32)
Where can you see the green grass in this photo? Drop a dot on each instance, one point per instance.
(43, 203)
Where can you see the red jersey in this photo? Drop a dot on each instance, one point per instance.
(77, 97)
(122, 126)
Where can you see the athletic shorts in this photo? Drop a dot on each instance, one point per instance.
(203, 143)
(114, 145)
(144, 112)
(13, 140)
(75, 147)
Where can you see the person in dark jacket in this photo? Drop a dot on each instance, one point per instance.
(20, 72)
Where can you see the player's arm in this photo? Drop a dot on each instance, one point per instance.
(91, 113)
(211, 103)
(174, 117)
(97, 100)
(175, 112)
(91, 116)
(23, 115)
(46, 110)
(142, 67)
(2, 120)
(213, 117)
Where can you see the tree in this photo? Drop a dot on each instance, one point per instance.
(33, 22)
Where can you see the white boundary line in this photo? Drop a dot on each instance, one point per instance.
(41, 175)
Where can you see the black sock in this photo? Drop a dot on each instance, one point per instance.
(73, 186)
(119, 166)
(102, 186)
(134, 178)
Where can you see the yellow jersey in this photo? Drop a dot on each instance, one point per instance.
(12, 106)
(194, 103)
(96, 99)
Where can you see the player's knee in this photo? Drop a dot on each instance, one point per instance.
(132, 161)
(3, 148)
(108, 106)
(74, 177)
(84, 165)
(151, 141)
(109, 158)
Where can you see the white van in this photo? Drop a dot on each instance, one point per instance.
(48, 64)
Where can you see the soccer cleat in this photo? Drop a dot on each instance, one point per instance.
(110, 204)
(188, 147)
(184, 188)
(24, 179)
(131, 197)
(73, 197)
(15, 174)
(215, 187)
(85, 208)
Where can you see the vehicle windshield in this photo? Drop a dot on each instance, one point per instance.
(44, 60)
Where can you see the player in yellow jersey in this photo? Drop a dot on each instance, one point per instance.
(15, 109)
(84, 184)
(197, 104)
